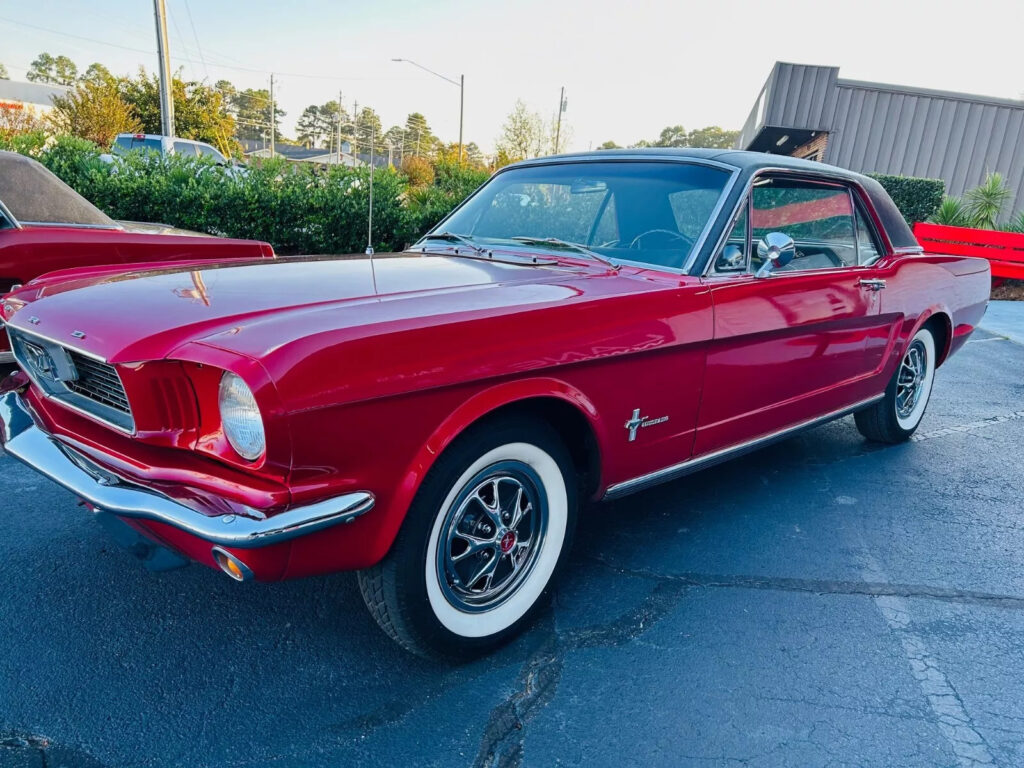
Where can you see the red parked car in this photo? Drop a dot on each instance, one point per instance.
(581, 328)
(46, 226)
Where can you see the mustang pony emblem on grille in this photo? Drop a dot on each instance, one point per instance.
(48, 362)
(39, 360)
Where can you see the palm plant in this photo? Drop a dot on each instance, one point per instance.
(952, 213)
(1014, 225)
(985, 202)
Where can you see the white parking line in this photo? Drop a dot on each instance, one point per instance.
(954, 721)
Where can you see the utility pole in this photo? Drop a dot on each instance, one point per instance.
(166, 96)
(561, 109)
(355, 130)
(273, 110)
(462, 103)
(340, 109)
(369, 224)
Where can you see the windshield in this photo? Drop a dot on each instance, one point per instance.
(128, 143)
(648, 212)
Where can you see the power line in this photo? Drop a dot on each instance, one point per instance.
(150, 52)
(195, 34)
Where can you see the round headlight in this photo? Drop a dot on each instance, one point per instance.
(240, 417)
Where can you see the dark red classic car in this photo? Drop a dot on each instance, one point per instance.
(581, 328)
(46, 226)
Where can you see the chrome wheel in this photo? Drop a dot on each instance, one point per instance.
(491, 536)
(910, 379)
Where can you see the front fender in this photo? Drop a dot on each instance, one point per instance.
(477, 407)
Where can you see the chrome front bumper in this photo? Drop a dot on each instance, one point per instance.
(106, 491)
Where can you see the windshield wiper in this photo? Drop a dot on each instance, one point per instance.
(451, 237)
(556, 243)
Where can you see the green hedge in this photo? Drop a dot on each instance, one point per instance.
(297, 207)
(917, 199)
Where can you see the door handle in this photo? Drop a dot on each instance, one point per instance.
(872, 283)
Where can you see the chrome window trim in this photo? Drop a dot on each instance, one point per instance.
(814, 175)
(5, 212)
(62, 402)
(698, 245)
(691, 465)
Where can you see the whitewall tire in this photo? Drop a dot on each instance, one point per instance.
(482, 543)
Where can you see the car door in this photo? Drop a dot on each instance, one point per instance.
(808, 339)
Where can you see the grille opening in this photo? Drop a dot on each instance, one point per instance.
(98, 381)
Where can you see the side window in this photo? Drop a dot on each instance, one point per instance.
(184, 149)
(733, 256)
(867, 248)
(817, 215)
(207, 151)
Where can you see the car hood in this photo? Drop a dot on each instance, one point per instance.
(255, 308)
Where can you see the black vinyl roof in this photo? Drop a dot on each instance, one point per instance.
(749, 163)
(31, 194)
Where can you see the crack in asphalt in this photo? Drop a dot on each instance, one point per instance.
(504, 736)
(823, 586)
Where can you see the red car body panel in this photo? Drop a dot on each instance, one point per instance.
(366, 370)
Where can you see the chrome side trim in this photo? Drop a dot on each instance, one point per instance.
(111, 493)
(6, 358)
(689, 466)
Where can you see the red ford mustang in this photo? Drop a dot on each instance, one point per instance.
(46, 226)
(582, 327)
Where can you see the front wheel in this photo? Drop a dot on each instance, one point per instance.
(482, 541)
(897, 415)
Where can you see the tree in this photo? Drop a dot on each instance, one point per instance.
(318, 125)
(252, 113)
(522, 134)
(609, 145)
(95, 111)
(368, 126)
(672, 136)
(474, 156)
(200, 112)
(712, 137)
(97, 73)
(418, 138)
(3, 73)
(48, 69)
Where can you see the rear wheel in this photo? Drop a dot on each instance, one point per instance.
(481, 544)
(897, 415)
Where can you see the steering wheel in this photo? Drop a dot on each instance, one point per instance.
(674, 235)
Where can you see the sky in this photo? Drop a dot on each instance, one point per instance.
(629, 68)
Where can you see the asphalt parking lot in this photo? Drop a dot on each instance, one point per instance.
(825, 601)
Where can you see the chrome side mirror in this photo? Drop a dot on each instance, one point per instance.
(777, 249)
(730, 259)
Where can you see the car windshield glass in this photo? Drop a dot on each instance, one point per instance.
(128, 143)
(647, 212)
(33, 195)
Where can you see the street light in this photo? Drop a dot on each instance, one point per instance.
(462, 94)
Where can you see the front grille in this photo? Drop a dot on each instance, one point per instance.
(78, 381)
(98, 381)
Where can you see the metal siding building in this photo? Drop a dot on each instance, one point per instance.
(808, 111)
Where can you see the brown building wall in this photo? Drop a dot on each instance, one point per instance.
(813, 149)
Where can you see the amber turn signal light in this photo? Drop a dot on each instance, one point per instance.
(231, 565)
